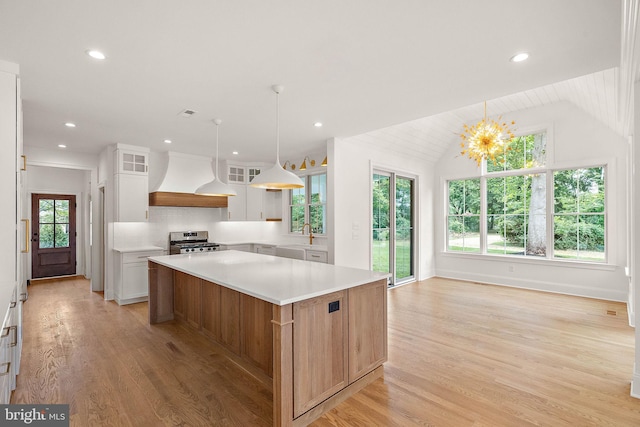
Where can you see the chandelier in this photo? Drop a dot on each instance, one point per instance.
(486, 139)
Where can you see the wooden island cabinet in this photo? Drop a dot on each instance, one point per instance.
(313, 333)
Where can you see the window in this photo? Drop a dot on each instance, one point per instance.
(579, 214)
(505, 211)
(309, 205)
(516, 215)
(464, 215)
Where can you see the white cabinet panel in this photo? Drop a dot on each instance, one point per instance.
(132, 276)
(8, 166)
(237, 205)
(255, 204)
(132, 198)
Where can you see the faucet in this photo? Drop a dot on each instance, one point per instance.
(310, 232)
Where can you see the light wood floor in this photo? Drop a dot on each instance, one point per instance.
(460, 354)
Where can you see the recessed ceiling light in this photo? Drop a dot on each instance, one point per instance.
(70, 125)
(318, 124)
(62, 146)
(96, 54)
(167, 141)
(519, 57)
(235, 153)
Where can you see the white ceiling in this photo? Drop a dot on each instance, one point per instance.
(356, 65)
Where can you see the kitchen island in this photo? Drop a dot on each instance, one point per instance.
(314, 333)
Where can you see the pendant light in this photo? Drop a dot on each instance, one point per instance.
(216, 187)
(276, 178)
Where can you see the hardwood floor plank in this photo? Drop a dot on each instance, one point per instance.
(460, 354)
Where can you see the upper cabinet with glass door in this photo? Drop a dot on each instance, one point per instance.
(131, 161)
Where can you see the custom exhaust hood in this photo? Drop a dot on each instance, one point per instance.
(173, 178)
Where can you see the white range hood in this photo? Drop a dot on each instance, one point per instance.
(178, 172)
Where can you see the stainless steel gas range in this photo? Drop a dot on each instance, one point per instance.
(187, 242)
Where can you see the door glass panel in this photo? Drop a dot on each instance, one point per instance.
(46, 235)
(381, 223)
(62, 211)
(54, 223)
(62, 235)
(404, 228)
(46, 211)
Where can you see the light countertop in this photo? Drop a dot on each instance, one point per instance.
(277, 280)
(138, 249)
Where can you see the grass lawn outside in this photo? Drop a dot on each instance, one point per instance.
(403, 257)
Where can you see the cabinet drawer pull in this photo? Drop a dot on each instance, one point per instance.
(5, 331)
(8, 365)
(24, 163)
(13, 304)
(143, 256)
(15, 336)
(315, 256)
(24, 296)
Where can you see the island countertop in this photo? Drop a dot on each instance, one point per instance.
(273, 279)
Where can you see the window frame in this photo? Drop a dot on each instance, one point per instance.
(307, 204)
(549, 169)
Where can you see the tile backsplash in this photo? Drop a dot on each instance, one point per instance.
(163, 220)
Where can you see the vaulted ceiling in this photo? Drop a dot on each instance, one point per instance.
(406, 72)
(429, 137)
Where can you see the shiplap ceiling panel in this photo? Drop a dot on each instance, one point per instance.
(430, 137)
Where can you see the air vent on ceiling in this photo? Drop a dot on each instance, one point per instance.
(186, 113)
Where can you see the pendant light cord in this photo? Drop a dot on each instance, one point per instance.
(277, 128)
(217, 139)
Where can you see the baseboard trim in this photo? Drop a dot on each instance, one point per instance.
(536, 285)
(56, 279)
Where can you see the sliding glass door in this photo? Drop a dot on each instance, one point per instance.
(393, 240)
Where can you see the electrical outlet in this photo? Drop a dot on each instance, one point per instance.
(334, 306)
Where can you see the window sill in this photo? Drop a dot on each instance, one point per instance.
(533, 261)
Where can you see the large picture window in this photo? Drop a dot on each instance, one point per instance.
(309, 205)
(506, 210)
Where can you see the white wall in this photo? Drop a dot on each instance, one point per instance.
(50, 180)
(351, 164)
(574, 139)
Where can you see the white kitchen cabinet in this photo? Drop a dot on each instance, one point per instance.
(132, 277)
(5, 359)
(316, 256)
(132, 160)
(132, 198)
(236, 174)
(237, 205)
(9, 140)
(10, 339)
(11, 163)
(250, 203)
(244, 247)
(255, 204)
(131, 183)
(265, 249)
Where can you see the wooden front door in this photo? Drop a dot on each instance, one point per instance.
(53, 235)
